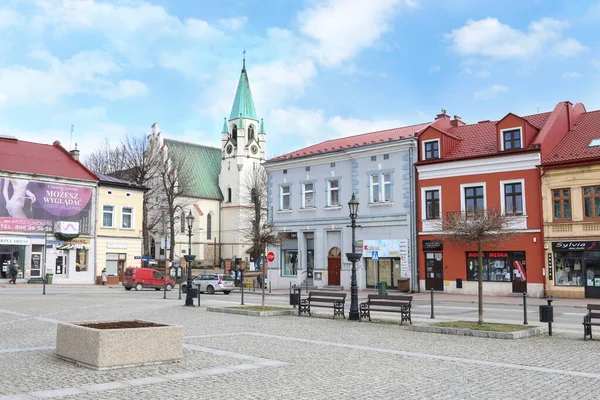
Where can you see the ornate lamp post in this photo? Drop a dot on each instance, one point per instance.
(189, 300)
(353, 257)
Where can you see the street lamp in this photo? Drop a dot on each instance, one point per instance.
(353, 257)
(189, 300)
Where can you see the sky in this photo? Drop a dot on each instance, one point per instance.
(318, 69)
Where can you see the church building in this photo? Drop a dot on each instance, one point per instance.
(214, 190)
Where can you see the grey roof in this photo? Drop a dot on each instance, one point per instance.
(106, 179)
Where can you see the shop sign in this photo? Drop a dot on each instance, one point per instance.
(15, 241)
(433, 245)
(550, 266)
(488, 254)
(33, 206)
(385, 248)
(116, 245)
(576, 245)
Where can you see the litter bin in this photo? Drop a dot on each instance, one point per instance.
(295, 296)
(194, 292)
(404, 285)
(382, 288)
(546, 314)
(49, 277)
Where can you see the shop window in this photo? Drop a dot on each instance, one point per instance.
(308, 195)
(127, 217)
(108, 216)
(568, 269)
(432, 204)
(112, 262)
(284, 196)
(591, 201)
(497, 266)
(562, 204)
(289, 265)
(81, 263)
(333, 193)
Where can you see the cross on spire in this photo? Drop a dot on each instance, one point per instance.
(244, 65)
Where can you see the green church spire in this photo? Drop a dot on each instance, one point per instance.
(262, 126)
(243, 104)
(241, 123)
(225, 127)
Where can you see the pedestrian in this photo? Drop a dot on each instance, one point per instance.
(104, 277)
(14, 271)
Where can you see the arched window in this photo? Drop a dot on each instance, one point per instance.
(250, 133)
(234, 132)
(229, 195)
(209, 227)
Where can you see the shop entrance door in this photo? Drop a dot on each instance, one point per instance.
(519, 284)
(5, 259)
(434, 271)
(121, 269)
(592, 276)
(334, 266)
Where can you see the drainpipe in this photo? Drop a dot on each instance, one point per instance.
(220, 233)
(95, 208)
(413, 220)
(541, 208)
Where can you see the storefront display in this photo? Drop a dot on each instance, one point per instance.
(498, 266)
(577, 263)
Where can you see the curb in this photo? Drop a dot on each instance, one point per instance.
(250, 312)
(525, 333)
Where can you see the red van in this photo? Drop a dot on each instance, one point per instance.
(140, 278)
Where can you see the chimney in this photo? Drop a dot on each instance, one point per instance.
(442, 115)
(456, 122)
(75, 153)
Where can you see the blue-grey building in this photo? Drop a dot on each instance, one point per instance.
(308, 194)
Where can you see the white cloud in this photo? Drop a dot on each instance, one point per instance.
(434, 68)
(571, 75)
(126, 88)
(10, 18)
(489, 37)
(343, 28)
(233, 24)
(491, 92)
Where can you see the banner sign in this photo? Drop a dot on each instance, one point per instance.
(385, 248)
(576, 245)
(519, 268)
(27, 205)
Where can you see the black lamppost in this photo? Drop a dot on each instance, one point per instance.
(189, 300)
(353, 257)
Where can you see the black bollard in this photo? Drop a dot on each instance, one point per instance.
(432, 314)
(242, 284)
(524, 308)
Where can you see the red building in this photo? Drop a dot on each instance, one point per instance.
(490, 164)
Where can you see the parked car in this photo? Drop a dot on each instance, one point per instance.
(211, 283)
(141, 278)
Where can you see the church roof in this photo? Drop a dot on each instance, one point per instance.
(243, 105)
(204, 167)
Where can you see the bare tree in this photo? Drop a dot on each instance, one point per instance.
(477, 228)
(257, 229)
(106, 159)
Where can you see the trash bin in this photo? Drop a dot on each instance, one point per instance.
(546, 314)
(295, 296)
(194, 291)
(404, 285)
(49, 277)
(382, 288)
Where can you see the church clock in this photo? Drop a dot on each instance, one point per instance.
(254, 149)
(229, 149)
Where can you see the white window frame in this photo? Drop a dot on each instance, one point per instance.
(383, 184)
(372, 188)
(502, 199)
(424, 202)
(520, 129)
(463, 186)
(132, 217)
(423, 149)
(330, 190)
(113, 213)
(288, 194)
(305, 192)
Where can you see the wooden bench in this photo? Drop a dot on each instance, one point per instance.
(390, 303)
(591, 319)
(326, 300)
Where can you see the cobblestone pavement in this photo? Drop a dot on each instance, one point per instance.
(233, 356)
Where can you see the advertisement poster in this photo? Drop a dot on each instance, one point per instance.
(385, 248)
(32, 206)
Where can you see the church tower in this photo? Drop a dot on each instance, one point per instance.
(243, 149)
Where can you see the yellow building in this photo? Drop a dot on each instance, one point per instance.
(571, 204)
(119, 228)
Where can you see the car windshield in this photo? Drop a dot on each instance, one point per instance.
(226, 277)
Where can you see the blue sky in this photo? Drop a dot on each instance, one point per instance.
(318, 69)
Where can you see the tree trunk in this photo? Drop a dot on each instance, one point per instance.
(264, 276)
(480, 286)
(172, 236)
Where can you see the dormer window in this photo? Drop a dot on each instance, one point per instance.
(431, 149)
(511, 139)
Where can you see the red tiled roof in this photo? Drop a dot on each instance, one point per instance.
(41, 159)
(538, 120)
(575, 145)
(355, 141)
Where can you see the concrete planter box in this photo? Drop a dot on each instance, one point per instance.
(118, 344)
(533, 331)
(251, 312)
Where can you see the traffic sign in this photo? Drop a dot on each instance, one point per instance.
(375, 256)
(270, 256)
(260, 261)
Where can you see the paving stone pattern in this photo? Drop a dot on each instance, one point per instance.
(243, 357)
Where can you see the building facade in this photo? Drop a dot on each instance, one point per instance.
(47, 213)
(571, 204)
(119, 230)
(308, 194)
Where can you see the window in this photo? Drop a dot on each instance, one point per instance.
(591, 202)
(289, 266)
(109, 192)
(108, 216)
(182, 222)
(307, 169)
(128, 194)
(474, 199)
(373, 158)
(568, 269)
(513, 198)
(308, 195)
(284, 192)
(332, 165)
(498, 266)
(285, 171)
(386, 156)
(209, 227)
(432, 204)
(562, 204)
(333, 193)
(511, 139)
(380, 187)
(229, 195)
(432, 149)
(234, 132)
(250, 133)
(387, 186)
(375, 188)
(81, 260)
(127, 217)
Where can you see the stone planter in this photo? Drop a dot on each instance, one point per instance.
(118, 344)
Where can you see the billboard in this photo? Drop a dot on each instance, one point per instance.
(33, 206)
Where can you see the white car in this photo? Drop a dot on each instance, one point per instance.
(211, 283)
